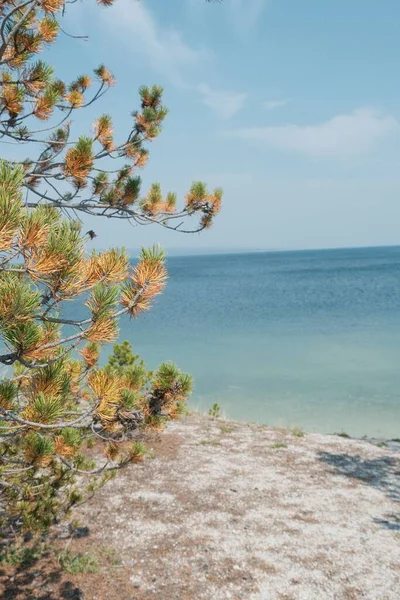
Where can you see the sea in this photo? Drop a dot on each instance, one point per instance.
(305, 339)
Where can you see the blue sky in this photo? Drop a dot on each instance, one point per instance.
(292, 107)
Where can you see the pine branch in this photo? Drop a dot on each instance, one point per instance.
(9, 416)
(17, 26)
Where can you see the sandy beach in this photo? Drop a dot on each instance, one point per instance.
(224, 510)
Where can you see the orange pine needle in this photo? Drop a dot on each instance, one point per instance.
(148, 281)
(102, 330)
(48, 29)
(7, 233)
(43, 108)
(90, 355)
(52, 6)
(75, 98)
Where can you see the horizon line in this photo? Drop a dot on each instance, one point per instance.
(188, 251)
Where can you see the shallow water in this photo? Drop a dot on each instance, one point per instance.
(308, 339)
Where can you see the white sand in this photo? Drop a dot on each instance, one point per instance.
(221, 513)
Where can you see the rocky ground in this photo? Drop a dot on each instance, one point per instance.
(223, 510)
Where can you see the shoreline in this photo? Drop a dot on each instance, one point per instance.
(380, 441)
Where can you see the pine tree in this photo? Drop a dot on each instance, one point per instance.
(37, 110)
(56, 402)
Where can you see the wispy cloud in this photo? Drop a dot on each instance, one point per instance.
(167, 53)
(242, 14)
(347, 135)
(271, 104)
(224, 103)
(246, 13)
(165, 49)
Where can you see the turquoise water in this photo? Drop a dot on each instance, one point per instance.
(308, 339)
(301, 339)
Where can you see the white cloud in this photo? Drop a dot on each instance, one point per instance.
(245, 13)
(165, 49)
(226, 104)
(271, 104)
(345, 135)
